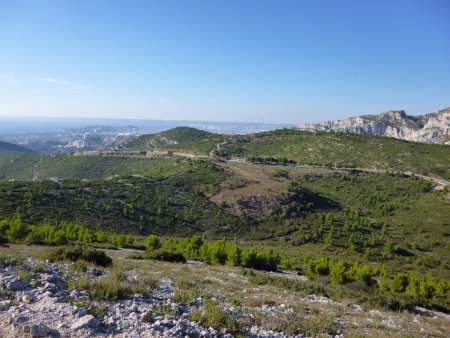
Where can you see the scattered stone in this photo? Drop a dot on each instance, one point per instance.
(28, 298)
(21, 319)
(37, 330)
(147, 316)
(4, 305)
(17, 285)
(50, 304)
(84, 322)
(53, 279)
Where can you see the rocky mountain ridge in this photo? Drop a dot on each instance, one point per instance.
(429, 128)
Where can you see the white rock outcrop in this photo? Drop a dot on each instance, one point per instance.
(429, 128)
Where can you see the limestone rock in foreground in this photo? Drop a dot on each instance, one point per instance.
(37, 330)
(87, 321)
(16, 285)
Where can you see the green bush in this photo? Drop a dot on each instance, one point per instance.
(17, 230)
(222, 252)
(316, 267)
(168, 257)
(338, 273)
(400, 282)
(266, 260)
(119, 275)
(75, 253)
(12, 260)
(153, 242)
(363, 274)
(79, 284)
(39, 267)
(97, 310)
(159, 255)
(25, 275)
(108, 288)
(215, 317)
(79, 266)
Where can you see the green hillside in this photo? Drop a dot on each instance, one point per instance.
(127, 204)
(383, 224)
(7, 148)
(340, 149)
(396, 221)
(378, 217)
(178, 139)
(31, 166)
(347, 150)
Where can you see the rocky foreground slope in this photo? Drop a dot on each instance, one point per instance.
(429, 128)
(44, 306)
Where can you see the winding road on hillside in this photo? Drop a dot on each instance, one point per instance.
(439, 181)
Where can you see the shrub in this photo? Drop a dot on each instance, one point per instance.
(218, 253)
(146, 284)
(183, 297)
(338, 273)
(119, 275)
(363, 274)
(319, 266)
(400, 282)
(12, 260)
(39, 267)
(108, 289)
(220, 319)
(17, 230)
(168, 257)
(97, 310)
(79, 266)
(25, 275)
(266, 260)
(75, 253)
(79, 284)
(234, 255)
(215, 317)
(250, 258)
(152, 242)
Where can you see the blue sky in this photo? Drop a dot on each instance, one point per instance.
(236, 60)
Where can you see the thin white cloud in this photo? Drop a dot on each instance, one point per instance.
(9, 79)
(62, 83)
(53, 81)
(167, 103)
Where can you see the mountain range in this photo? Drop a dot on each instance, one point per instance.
(428, 128)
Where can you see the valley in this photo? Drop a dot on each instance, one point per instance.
(349, 231)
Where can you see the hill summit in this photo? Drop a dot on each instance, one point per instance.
(429, 128)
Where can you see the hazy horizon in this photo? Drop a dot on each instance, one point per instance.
(343, 117)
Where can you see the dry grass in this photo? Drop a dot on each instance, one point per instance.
(228, 285)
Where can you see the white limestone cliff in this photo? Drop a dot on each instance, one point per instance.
(429, 128)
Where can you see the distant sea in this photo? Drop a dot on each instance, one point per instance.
(18, 125)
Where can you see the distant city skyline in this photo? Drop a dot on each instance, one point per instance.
(235, 61)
